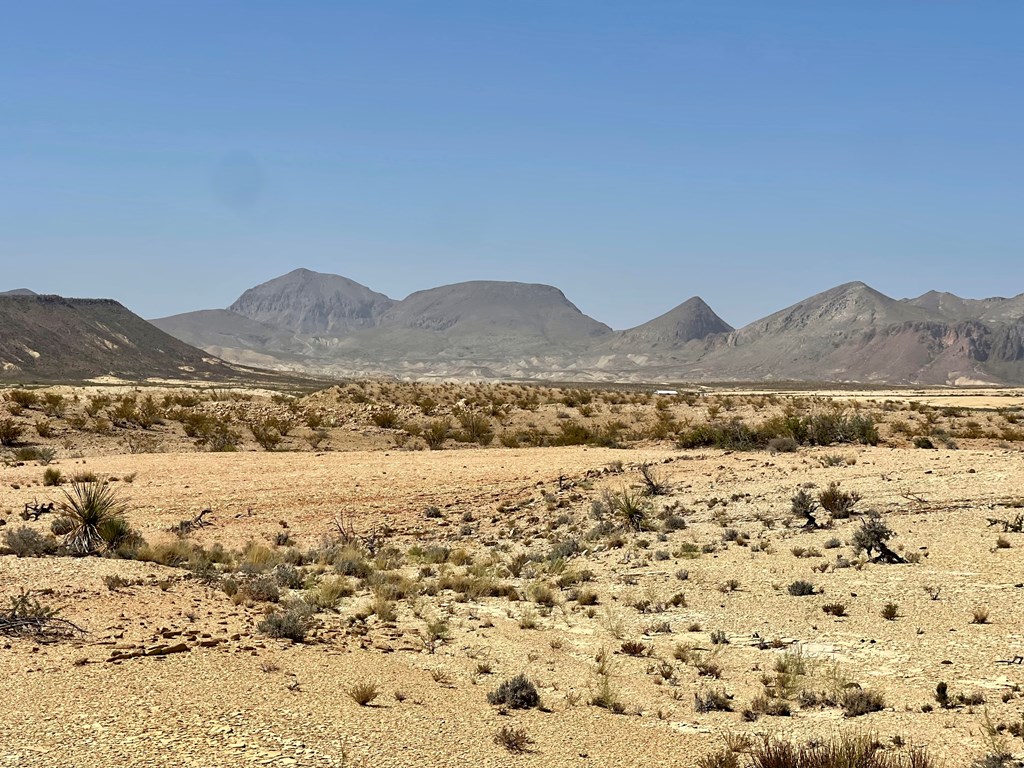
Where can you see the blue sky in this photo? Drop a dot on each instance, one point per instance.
(172, 154)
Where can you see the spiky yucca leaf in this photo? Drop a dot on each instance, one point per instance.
(91, 509)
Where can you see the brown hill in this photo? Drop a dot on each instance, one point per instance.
(50, 338)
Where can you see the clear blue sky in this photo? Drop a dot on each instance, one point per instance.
(172, 154)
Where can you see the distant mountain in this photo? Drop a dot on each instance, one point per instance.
(237, 338)
(690, 321)
(19, 292)
(501, 310)
(1005, 311)
(328, 324)
(854, 333)
(49, 338)
(949, 306)
(313, 303)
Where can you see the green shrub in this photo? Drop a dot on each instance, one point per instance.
(437, 433)
(95, 517)
(52, 477)
(10, 431)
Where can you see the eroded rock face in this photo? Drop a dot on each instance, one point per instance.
(1008, 343)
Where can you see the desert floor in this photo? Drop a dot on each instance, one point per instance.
(228, 695)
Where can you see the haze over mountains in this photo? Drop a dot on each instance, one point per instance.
(308, 322)
(329, 324)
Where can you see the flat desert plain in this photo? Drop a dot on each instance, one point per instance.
(669, 606)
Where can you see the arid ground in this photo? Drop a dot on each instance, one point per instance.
(666, 621)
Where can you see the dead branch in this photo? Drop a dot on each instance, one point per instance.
(185, 527)
(35, 510)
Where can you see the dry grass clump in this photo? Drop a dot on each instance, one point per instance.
(843, 751)
(292, 623)
(363, 694)
(515, 740)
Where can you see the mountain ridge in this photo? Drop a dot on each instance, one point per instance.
(850, 332)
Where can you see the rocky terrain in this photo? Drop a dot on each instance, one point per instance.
(568, 577)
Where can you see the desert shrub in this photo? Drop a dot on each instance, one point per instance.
(44, 428)
(270, 431)
(636, 648)
(257, 558)
(10, 431)
(653, 481)
(436, 433)
(216, 435)
(924, 442)
(515, 740)
(476, 427)
(262, 590)
(288, 576)
(329, 591)
(515, 693)
(114, 582)
(363, 694)
(723, 758)
(770, 706)
(804, 505)
(630, 507)
(859, 701)
(837, 502)
(26, 398)
(872, 535)
(890, 611)
(979, 615)
(674, 522)
(119, 537)
(834, 609)
(800, 588)
(27, 542)
(840, 752)
(95, 515)
(714, 700)
(52, 477)
(349, 560)
(386, 418)
(292, 623)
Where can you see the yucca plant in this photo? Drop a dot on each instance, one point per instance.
(630, 507)
(94, 518)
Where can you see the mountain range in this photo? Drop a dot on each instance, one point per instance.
(328, 324)
(307, 322)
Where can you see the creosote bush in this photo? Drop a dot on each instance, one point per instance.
(515, 693)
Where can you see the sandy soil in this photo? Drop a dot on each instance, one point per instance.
(233, 696)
